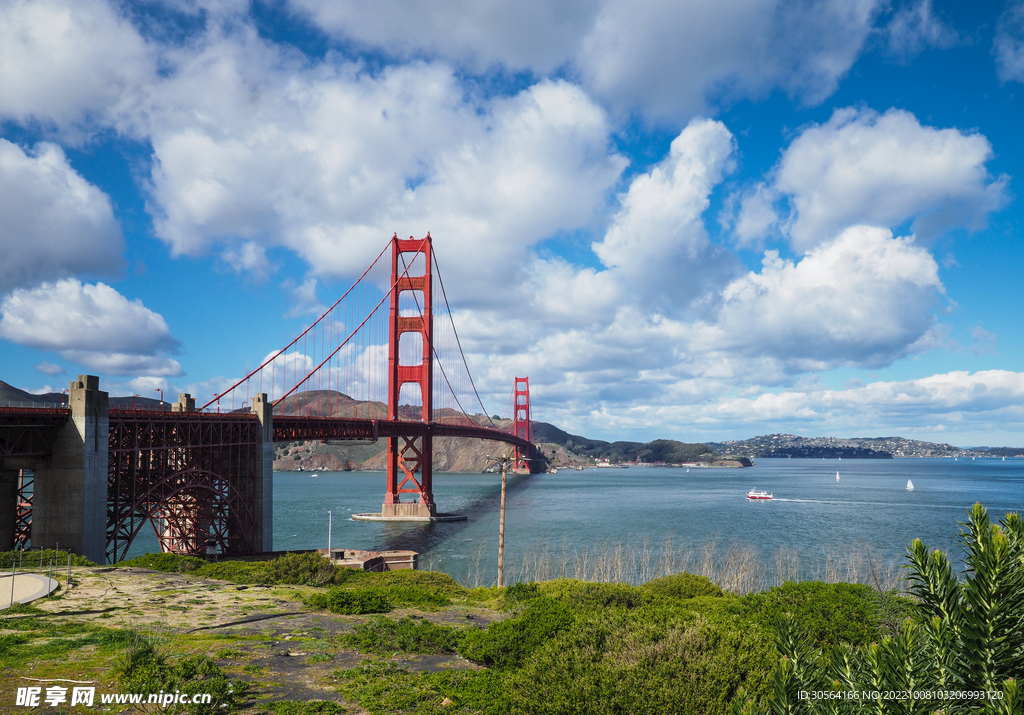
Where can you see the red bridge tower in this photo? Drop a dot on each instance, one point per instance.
(521, 418)
(409, 454)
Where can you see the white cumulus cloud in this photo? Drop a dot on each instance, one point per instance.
(862, 299)
(667, 59)
(862, 167)
(63, 62)
(253, 148)
(93, 325)
(54, 223)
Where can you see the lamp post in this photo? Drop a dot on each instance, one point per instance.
(161, 391)
(133, 400)
(504, 462)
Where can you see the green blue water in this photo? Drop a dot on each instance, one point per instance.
(812, 514)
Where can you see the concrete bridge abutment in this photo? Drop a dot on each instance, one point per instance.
(264, 411)
(69, 506)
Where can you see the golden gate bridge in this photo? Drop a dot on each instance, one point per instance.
(383, 362)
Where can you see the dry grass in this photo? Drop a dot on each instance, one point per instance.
(736, 568)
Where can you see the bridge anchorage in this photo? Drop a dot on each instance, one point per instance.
(91, 477)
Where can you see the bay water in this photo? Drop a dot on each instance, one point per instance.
(636, 523)
(635, 516)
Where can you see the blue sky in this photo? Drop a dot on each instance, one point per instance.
(708, 220)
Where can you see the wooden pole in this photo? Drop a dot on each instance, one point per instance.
(501, 528)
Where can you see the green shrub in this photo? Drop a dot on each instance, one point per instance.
(825, 614)
(586, 594)
(969, 639)
(172, 563)
(384, 636)
(507, 643)
(519, 593)
(143, 668)
(30, 560)
(432, 582)
(682, 586)
(646, 661)
(385, 688)
(351, 602)
(310, 569)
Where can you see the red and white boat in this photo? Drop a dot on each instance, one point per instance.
(754, 494)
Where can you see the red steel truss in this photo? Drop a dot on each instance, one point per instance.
(521, 419)
(410, 454)
(191, 475)
(30, 431)
(23, 511)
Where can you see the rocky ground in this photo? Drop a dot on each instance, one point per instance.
(261, 634)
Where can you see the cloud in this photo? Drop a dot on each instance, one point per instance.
(48, 368)
(983, 342)
(63, 62)
(55, 223)
(253, 148)
(93, 325)
(538, 36)
(668, 60)
(915, 27)
(863, 299)
(862, 167)
(1008, 45)
(982, 398)
(656, 243)
(303, 298)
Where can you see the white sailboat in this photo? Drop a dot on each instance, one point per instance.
(837, 476)
(910, 485)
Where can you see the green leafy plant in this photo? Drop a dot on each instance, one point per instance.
(971, 638)
(383, 636)
(683, 586)
(350, 602)
(507, 643)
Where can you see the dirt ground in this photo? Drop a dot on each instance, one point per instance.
(262, 634)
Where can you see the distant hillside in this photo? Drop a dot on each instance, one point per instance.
(10, 394)
(791, 445)
(660, 450)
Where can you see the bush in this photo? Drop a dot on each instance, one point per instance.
(682, 586)
(143, 668)
(519, 592)
(825, 614)
(646, 661)
(30, 560)
(507, 643)
(433, 582)
(172, 563)
(383, 687)
(350, 602)
(585, 594)
(384, 636)
(971, 637)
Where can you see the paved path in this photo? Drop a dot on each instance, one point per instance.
(27, 587)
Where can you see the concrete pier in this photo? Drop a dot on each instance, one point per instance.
(264, 411)
(70, 503)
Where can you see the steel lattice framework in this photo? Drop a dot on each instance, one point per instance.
(30, 431)
(191, 475)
